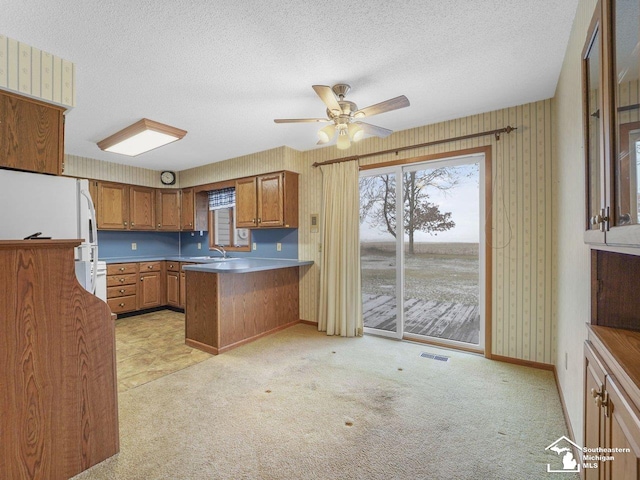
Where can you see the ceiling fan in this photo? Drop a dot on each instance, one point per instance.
(344, 116)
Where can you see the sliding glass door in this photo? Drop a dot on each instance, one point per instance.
(421, 251)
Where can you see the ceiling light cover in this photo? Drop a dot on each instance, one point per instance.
(343, 140)
(327, 133)
(141, 137)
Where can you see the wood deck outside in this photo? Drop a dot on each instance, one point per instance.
(452, 321)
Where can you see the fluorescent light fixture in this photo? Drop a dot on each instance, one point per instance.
(141, 137)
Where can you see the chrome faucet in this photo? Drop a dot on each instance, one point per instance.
(220, 249)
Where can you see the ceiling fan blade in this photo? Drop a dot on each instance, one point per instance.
(386, 106)
(328, 97)
(301, 120)
(375, 130)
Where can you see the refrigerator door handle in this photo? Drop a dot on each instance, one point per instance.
(94, 243)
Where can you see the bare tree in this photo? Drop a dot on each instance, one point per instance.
(378, 202)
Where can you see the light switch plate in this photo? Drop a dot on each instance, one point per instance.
(314, 223)
(199, 246)
(278, 247)
(134, 246)
(255, 247)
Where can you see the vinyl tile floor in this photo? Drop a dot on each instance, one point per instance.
(150, 346)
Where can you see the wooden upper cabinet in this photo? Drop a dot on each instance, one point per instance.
(142, 208)
(112, 206)
(187, 214)
(267, 201)
(246, 203)
(31, 134)
(168, 209)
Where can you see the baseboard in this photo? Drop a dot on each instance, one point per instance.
(567, 420)
(308, 322)
(524, 363)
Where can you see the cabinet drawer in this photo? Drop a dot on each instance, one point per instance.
(122, 268)
(113, 280)
(150, 267)
(121, 291)
(122, 304)
(173, 266)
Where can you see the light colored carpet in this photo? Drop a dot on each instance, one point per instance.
(301, 405)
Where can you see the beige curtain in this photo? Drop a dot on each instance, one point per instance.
(340, 303)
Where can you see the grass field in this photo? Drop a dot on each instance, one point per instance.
(444, 272)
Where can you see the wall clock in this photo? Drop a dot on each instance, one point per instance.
(168, 178)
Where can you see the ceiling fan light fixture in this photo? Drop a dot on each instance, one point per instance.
(327, 133)
(141, 137)
(355, 132)
(343, 140)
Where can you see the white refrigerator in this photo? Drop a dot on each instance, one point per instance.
(55, 207)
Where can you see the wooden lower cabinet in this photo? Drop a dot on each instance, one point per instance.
(122, 287)
(173, 283)
(151, 286)
(612, 400)
(226, 310)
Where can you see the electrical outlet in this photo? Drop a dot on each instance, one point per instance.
(320, 248)
(134, 246)
(255, 246)
(199, 246)
(278, 247)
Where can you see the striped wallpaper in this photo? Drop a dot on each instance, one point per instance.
(29, 71)
(522, 211)
(83, 167)
(522, 219)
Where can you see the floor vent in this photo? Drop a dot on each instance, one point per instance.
(433, 356)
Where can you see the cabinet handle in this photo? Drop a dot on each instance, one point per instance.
(141, 278)
(259, 220)
(122, 290)
(125, 223)
(171, 266)
(121, 304)
(121, 280)
(158, 225)
(149, 266)
(121, 269)
(133, 224)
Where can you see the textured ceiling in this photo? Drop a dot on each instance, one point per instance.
(223, 70)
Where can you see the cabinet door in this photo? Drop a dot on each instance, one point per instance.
(168, 209)
(246, 203)
(142, 210)
(594, 420)
(187, 214)
(173, 289)
(623, 431)
(113, 206)
(592, 89)
(624, 201)
(31, 134)
(270, 200)
(150, 290)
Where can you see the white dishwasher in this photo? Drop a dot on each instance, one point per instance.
(101, 280)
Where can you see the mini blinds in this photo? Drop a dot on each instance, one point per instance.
(224, 198)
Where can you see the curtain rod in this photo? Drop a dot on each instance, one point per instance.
(508, 129)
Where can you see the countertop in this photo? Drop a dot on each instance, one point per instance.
(215, 264)
(246, 265)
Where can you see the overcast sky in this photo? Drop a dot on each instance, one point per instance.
(463, 201)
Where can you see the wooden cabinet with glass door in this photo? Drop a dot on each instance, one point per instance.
(612, 123)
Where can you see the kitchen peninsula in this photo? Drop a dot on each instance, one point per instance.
(233, 302)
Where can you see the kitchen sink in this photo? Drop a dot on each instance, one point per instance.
(213, 257)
